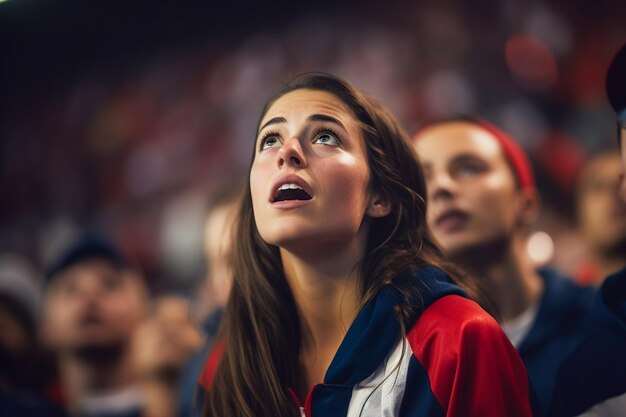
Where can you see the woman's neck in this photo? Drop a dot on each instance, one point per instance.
(326, 293)
(511, 280)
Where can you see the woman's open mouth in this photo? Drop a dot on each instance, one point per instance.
(290, 192)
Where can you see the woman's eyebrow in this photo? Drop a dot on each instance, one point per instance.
(325, 118)
(466, 156)
(273, 121)
(311, 118)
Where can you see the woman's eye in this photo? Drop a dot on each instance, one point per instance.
(269, 142)
(470, 169)
(327, 138)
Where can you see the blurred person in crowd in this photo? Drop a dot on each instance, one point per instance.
(482, 201)
(339, 294)
(592, 380)
(218, 235)
(216, 285)
(26, 373)
(94, 303)
(162, 345)
(601, 217)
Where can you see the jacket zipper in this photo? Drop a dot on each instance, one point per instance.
(298, 403)
(309, 401)
(306, 410)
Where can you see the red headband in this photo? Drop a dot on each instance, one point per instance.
(516, 156)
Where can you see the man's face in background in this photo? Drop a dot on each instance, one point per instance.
(92, 306)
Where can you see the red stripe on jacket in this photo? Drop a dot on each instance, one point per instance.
(473, 368)
(205, 378)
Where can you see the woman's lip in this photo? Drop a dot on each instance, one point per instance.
(451, 221)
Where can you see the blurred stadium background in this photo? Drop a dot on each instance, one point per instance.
(124, 116)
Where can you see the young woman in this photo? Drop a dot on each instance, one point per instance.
(339, 305)
(482, 202)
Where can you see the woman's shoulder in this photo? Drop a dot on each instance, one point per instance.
(453, 317)
(430, 283)
(440, 303)
(466, 355)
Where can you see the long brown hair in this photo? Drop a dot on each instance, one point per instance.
(261, 325)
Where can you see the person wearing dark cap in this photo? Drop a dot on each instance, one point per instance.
(592, 380)
(481, 202)
(94, 301)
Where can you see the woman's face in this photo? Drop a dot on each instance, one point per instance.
(310, 178)
(472, 194)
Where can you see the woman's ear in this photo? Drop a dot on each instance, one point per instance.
(378, 206)
(529, 206)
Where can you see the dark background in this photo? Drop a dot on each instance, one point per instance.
(49, 43)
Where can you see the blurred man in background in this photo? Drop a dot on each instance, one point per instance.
(481, 202)
(601, 217)
(94, 303)
(215, 287)
(592, 380)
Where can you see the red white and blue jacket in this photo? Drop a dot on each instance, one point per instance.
(455, 361)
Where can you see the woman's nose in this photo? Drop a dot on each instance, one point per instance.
(294, 159)
(291, 154)
(440, 186)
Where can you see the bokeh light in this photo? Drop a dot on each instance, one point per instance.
(540, 248)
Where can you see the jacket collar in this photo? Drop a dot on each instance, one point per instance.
(376, 329)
